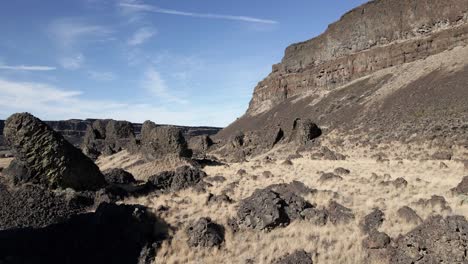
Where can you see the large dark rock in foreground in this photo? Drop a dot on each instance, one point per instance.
(437, 240)
(34, 206)
(51, 160)
(113, 234)
(160, 141)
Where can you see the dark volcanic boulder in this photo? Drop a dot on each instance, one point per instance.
(276, 205)
(462, 187)
(106, 137)
(159, 141)
(436, 240)
(372, 221)
(34, 206)
(183, 177)
(338, 214)
(118, 176)
(298, 257)
(50, 159)
(113, 234)
(376, 240)
(205, 233)
(409, 215)
(304, 131)
(264, 209)
(200, 145)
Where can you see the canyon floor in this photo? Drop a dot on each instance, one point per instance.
(362, 190)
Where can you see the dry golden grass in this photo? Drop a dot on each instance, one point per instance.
(360, 191)
(4, 162)
(138, 166)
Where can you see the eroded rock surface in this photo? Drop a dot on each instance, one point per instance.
(297, 257)
(437, 240)
(50, 159)
(205, 233)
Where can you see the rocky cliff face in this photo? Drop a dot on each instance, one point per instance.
(389, 70)
(374, 36)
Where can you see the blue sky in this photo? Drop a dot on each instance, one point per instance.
(183, 62)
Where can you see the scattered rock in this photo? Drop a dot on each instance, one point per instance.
(342, 171)
(298, 257)
(462, 187)
(442, 165)
(326, 177)
(241, 172)
(200, 145)
(106, 137)
(372, 221)
(222, 198)
(205, 233)
(435, 201)
(233, 224)
(436, 240)
(294, 156)
(267, 174)
(217, 178)
(397, 183)
(118, 176)
(264, 209)
(409, 215)
(376, 240)
(304, 131)
(442, 155)
(183, 177)
(50, 160)
(271, 207)
(287, 162)
(338, 214)
(316, 216)
(327, 154)
(160, 141)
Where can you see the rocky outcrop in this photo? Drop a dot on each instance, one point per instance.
(358, 79)
(112, 234)
(276, 205)
(159, 141)
(49, 159)
(183, 177)
(374, 36)
(200, 145)
(205, 233)
(106, 137)
(118, 176)
(36, 207)
(297, 257)
(437, 240)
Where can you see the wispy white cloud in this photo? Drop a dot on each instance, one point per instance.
(53, 103)
(102, 76)
(73, 62)
(155, 84)
(67, 32)
(141, 35)
(155, 9)
(26, 68)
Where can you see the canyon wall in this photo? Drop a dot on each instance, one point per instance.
(374, 36)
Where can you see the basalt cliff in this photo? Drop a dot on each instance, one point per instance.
(389, 70)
